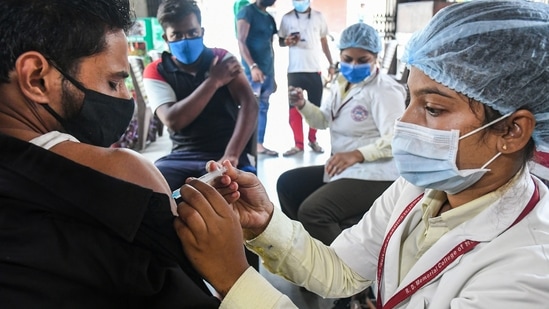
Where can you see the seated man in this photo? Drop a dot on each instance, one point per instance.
(81, 225)
(201, 95)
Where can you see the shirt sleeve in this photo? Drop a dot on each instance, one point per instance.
(289, 251)
(244, 13)
(253, 291)
(314, 116)
(158, 91)
(381, 148)
(283, 30)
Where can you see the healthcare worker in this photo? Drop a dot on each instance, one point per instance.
(360, 109)
(466, 226)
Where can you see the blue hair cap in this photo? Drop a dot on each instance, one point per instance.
(360, 36)
(493, 51)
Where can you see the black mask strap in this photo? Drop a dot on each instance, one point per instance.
(73, 81)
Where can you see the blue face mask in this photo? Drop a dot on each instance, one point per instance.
(187, 51)
(427, 158)
(355, 73)
(301, 6)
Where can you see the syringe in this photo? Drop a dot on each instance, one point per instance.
(207, 178)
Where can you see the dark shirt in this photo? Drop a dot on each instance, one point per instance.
(260, 38)
(71, 237)
(212, 130)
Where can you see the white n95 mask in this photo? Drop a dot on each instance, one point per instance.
(427, 157)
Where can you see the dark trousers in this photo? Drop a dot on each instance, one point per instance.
(325, 209)
(312, 82)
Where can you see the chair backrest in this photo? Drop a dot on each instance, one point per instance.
(144, 113)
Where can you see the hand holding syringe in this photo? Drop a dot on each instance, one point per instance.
(207, 178)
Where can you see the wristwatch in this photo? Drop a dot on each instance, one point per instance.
(254, 65)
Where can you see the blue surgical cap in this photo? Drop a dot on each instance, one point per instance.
(493, 51)
(360, 36)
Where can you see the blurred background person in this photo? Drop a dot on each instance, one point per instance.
(255, 31)
(202, 97)
(304, 31)
(360, 111)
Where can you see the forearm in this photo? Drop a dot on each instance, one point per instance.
(314, 116)
(253, 291)
(245, 53)
(287, 250)
(326, 50)
(379, 149)
(185, 111)
(282, 42)
(246, 124)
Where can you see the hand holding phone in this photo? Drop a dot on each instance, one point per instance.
(293, 38)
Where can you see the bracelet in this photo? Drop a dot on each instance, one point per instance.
(254, 65)
(332, 66)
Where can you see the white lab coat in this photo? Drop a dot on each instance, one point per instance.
(365, 116)
(508, 269)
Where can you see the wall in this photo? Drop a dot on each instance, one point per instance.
(140, 7)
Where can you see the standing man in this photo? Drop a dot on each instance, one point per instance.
(201, 95)
(255, 31)
(304, 31)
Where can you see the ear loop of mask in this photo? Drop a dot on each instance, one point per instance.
(73, 81)
(482, 128)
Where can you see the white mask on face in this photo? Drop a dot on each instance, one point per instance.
(427, 157)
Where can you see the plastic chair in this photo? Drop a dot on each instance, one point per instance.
(144, 112)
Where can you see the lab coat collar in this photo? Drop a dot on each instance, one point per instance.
(484, 227)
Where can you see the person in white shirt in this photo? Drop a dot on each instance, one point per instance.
(304, 31)
(466, 224)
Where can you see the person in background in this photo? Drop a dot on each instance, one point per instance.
(255, 31)
(202, 97)
(466, 224)
(360, 110)
(304, 31)
(81, 225)
(237, 6)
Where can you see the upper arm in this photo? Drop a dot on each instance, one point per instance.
(243, 27)
(283, 31)
(241, 92)
(158, 91)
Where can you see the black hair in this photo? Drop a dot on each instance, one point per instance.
(64, 31)
(173, 11)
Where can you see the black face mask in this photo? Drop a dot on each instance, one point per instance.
(102, 119)
(267, 3)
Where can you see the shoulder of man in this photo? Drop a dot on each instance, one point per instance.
(151, 70)
(245, 12)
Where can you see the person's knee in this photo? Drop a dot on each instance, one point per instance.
(313, 212)
(282, 184)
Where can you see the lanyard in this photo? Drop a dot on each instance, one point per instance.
(334, 115)
(459, 250)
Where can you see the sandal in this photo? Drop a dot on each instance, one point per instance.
(292, 151)
(316, 147)
(268, 152)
